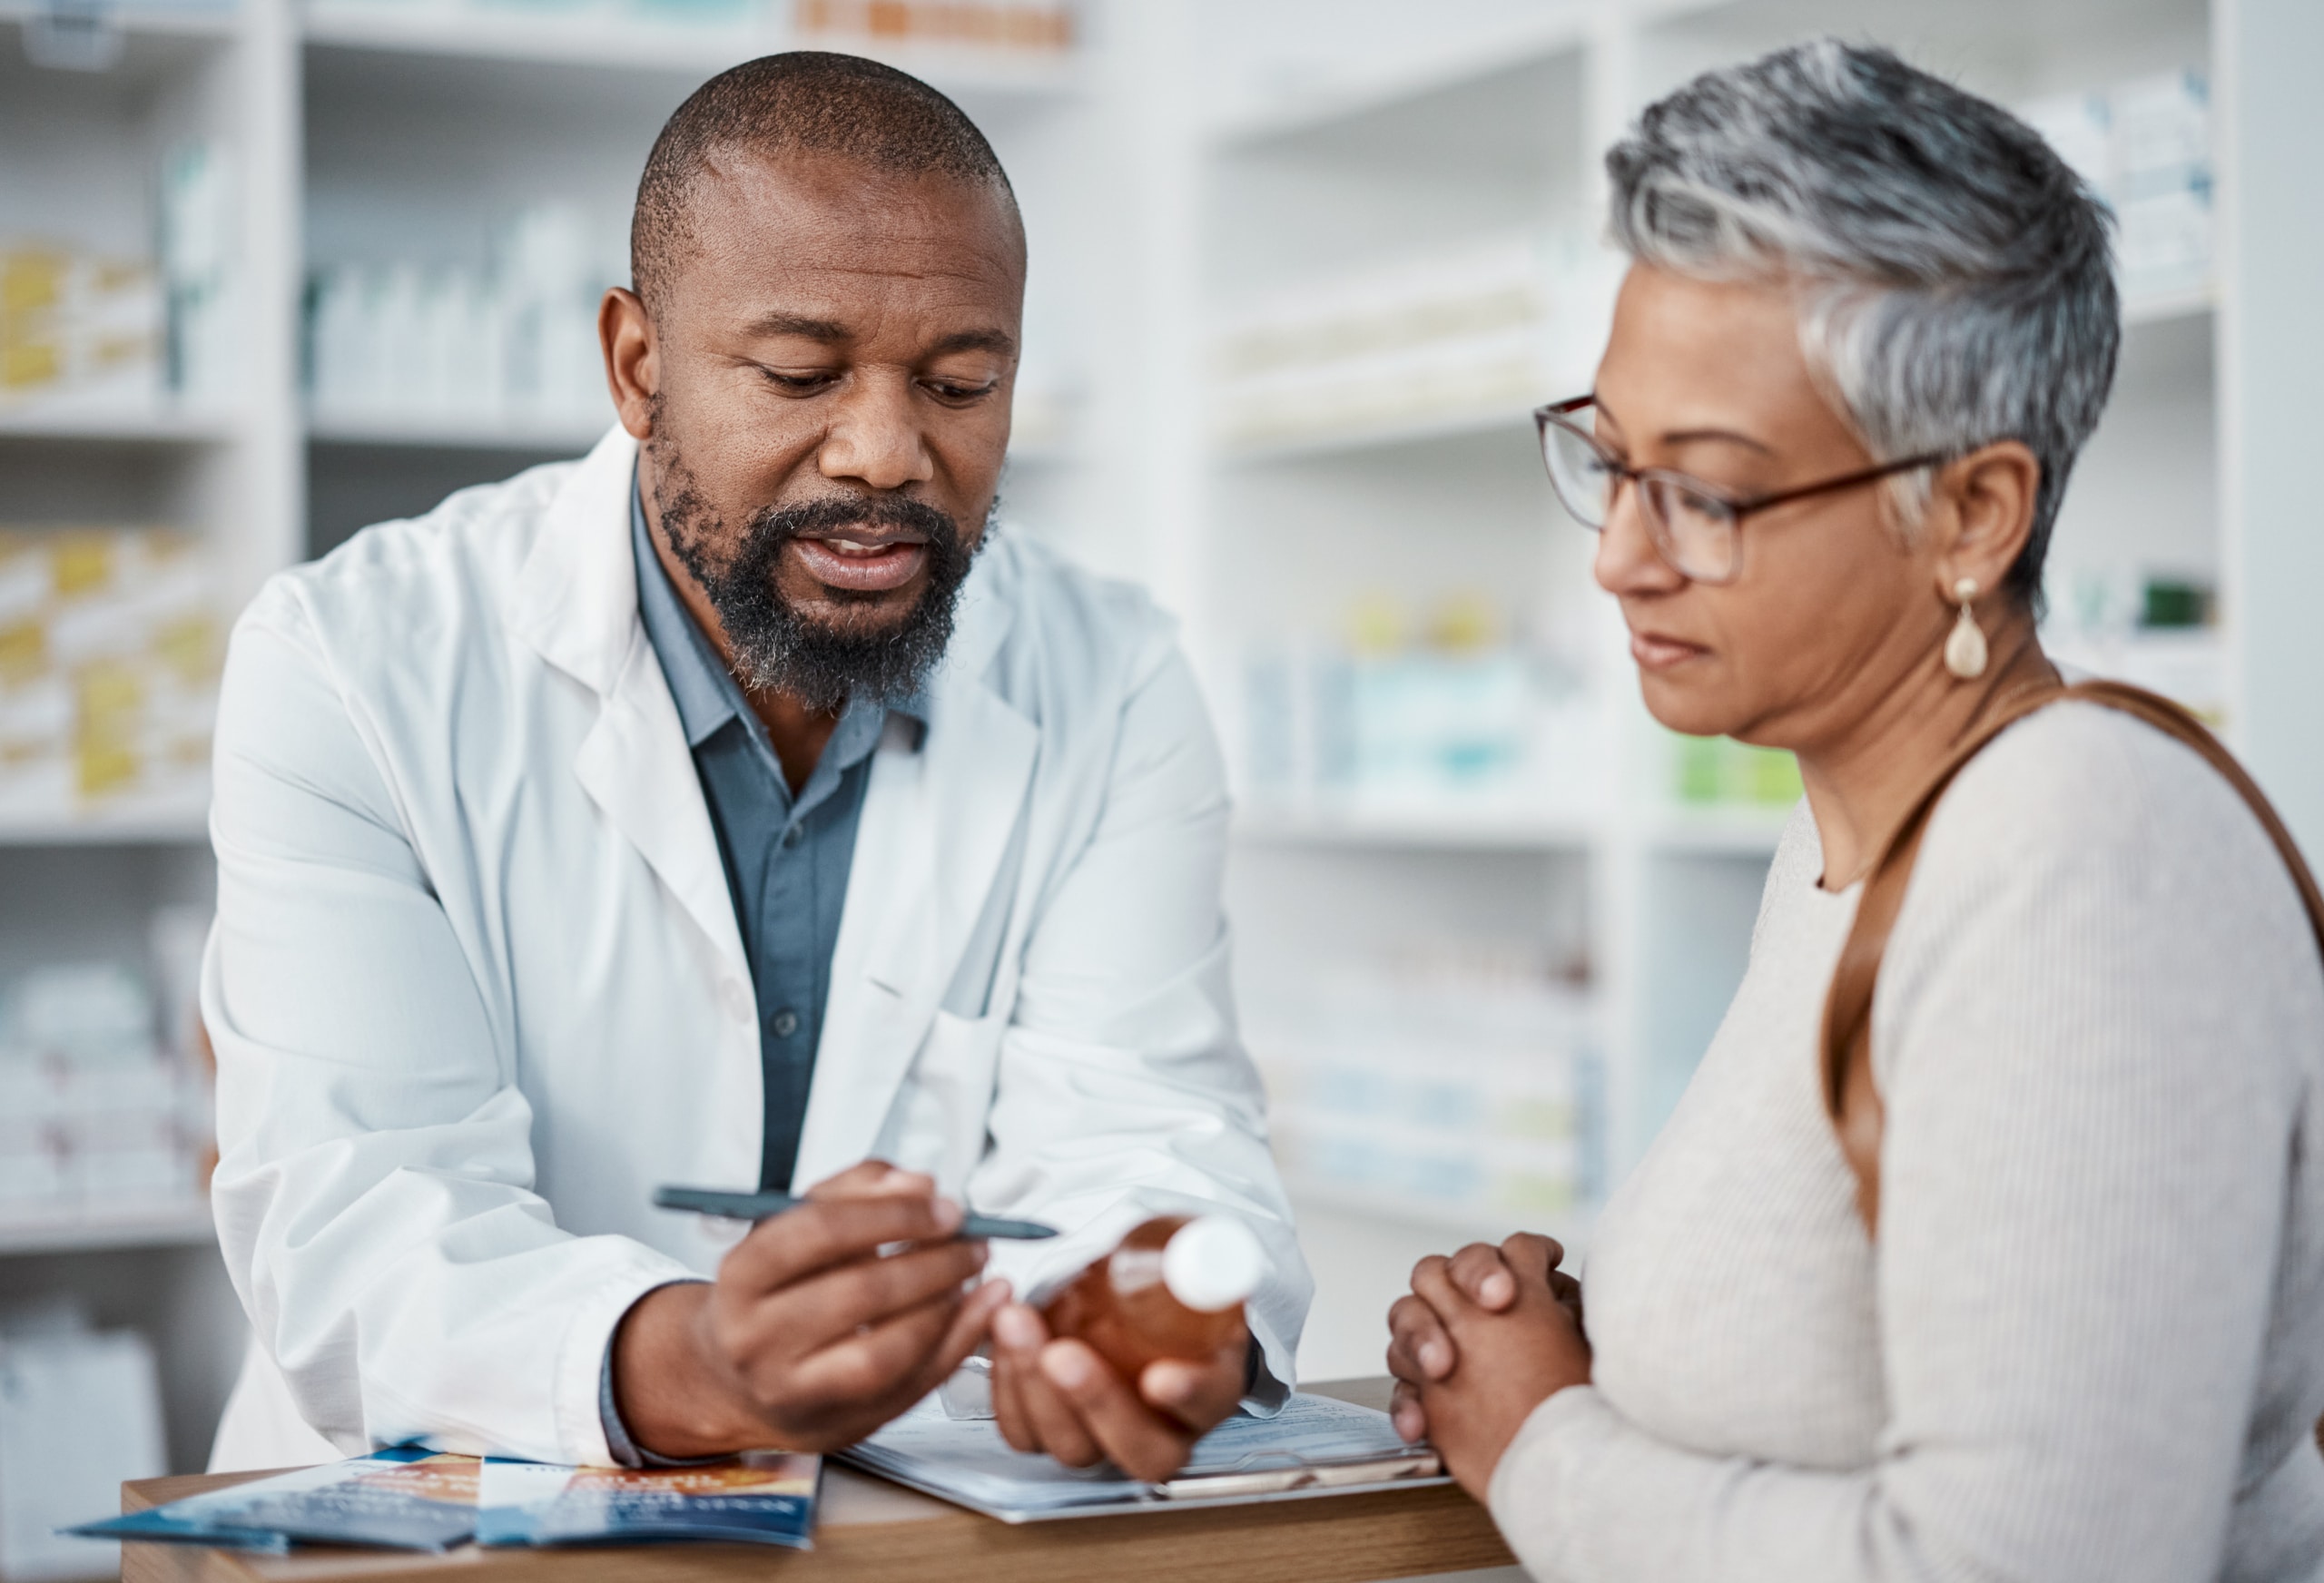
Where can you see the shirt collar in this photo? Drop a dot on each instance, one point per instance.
(705, 690)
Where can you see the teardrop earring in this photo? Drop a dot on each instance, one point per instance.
(1964, 647)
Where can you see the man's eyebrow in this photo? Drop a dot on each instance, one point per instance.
(799, 324)
(1724, 435)
(999, 343)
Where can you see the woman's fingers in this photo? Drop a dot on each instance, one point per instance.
(1568, 1291)
(1532, 1254)
(1418, 1347)
(1405, 1412)
(1481, 1272)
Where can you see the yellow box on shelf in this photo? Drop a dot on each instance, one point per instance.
(110, 646)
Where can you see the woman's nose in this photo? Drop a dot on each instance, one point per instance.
(1628, 561)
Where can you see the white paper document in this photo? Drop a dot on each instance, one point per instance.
(1315, 1446)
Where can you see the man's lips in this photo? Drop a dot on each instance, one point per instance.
(860, 564)
(1656, 651)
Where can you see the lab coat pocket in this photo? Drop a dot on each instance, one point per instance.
(937, 1124)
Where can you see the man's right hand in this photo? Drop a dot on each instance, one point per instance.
(810, 1339)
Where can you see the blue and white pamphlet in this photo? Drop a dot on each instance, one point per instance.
(758, 1498)
(409, 1498)
(406, 1497)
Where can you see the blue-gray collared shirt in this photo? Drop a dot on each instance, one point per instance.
(786, 857)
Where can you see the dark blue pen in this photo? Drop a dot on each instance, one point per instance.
(765, 1206)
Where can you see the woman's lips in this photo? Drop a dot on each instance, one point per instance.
(1654, 651)
(861, 568)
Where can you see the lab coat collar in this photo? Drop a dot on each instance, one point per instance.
(936, 826)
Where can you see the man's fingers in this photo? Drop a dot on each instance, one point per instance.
(1417, 1341)
(1140, 1442)
(1044, 1422)
(870, 1179)
(875, 1361)
(1056, 1427)
(1407, 1413)
(970, 1325)
(822, 1235)
(1197, 1395)
(1479, 1271)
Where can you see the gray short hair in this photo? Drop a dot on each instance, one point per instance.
(1958, 278)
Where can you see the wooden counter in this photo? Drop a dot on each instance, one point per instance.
(868, 1529)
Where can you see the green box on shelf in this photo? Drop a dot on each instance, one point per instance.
(1714, 769)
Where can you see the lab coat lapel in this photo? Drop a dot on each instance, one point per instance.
(576, 602)
(935, 826)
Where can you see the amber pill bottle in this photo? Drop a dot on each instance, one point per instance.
(1174, 1288)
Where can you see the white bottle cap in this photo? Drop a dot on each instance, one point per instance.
(1212, 1263)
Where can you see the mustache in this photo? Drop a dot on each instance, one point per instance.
(772, 526)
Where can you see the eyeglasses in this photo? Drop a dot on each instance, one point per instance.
(1695, 527)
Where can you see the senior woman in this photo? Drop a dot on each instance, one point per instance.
(1869, 321)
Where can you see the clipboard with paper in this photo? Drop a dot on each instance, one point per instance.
(1317, 1446)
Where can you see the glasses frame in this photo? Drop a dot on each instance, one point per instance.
(1557, 414)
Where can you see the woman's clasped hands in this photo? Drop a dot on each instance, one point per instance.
(1485, 1337)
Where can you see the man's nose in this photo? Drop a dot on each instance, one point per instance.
(1628, 561)
(875, 437)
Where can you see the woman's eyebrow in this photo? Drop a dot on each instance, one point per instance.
(1722, 436)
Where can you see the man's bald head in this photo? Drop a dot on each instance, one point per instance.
(805, 102)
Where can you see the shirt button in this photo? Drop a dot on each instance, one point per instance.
(794, 835)
(738, 1001)
(786, 1023)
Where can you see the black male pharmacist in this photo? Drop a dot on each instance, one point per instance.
(730, 807)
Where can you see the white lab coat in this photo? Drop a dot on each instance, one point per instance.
(476, 986)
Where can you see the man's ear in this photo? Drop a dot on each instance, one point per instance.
(1981, 512)
(633, 359)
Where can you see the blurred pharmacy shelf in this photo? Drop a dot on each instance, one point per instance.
(164, 1223)
(1398, 626)
(603, 38)
(442, 434)
(122, 425)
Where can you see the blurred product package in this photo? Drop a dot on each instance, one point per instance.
(198, 252)
(1463, 715)
(109, 657)
(80, 1414)
(1488, 329)
(78, 331)
(1718, 772)
(1025, 26)
(448, 344)
(1460, 1077)
(2155, 627)
(85, 331)
(99, 1112)
(2145, 144)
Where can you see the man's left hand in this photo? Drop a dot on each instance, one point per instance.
(1062, 1398)
(1511, 1357)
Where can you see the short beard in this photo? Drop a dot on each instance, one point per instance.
(778, 646)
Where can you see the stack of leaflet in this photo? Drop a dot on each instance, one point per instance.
(409, 1498)
(1315, 1446)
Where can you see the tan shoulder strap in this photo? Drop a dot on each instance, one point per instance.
(1850, 1093)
